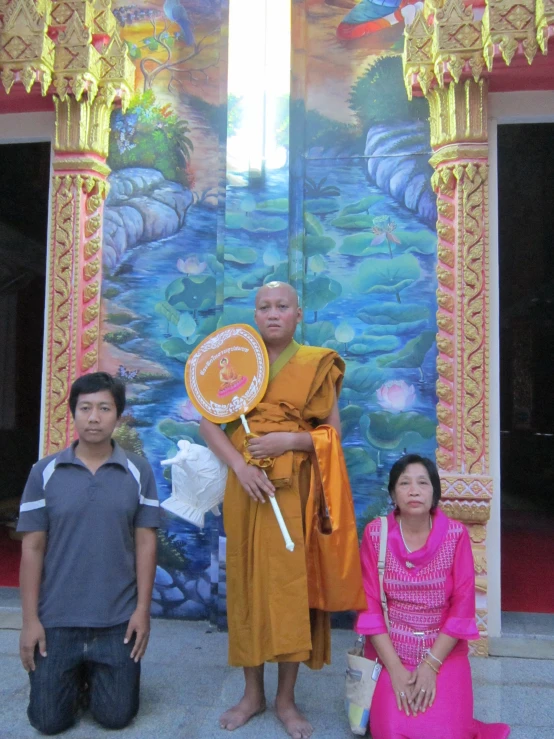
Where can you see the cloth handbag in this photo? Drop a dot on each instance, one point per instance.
(362, 673)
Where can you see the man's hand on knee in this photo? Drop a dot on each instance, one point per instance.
(139, 624)
(32, 633)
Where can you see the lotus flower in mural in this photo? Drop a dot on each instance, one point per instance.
(396, 396)
(188, 412)
(191, 266)
(383, 228)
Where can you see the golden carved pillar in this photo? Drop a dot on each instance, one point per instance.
(458, 112)
(73, 50)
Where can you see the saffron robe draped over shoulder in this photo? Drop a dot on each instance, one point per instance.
(268, 611)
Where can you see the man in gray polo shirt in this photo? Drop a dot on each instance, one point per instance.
(89, 514)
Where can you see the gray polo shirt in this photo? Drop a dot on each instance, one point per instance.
(89, 576)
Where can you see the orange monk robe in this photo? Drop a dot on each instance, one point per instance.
(268, 611)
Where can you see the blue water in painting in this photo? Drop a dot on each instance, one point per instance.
(148, 269)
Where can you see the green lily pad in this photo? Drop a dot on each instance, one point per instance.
(320, 292)
(363, 379)
(232, 289)
(312, 225)
(186, 325)
(359, 245)
(385, 430)
(353, 222)
(397, 329)
(255, 278)
(323, 206)
(317, 264)
(349, 418)
(393, 313)
(280, 273)
(318, 245)
(176, 430)
(279, 205)
(412, 355)
(213, 263)
(191, 293)
(362, 206)
(206, 327)
(387, 275)
(416, 242)
(240, 255)
(168, 312)
(316, 334)
(255, 223)
(359, 462)
(176, 348)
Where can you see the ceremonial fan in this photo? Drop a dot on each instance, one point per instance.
(226, 376)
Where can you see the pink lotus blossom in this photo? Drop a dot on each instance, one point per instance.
(396, 396)
(188, 412)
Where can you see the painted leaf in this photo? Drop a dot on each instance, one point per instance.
(321, 205)
(386, 430)
(362, 245)
(349, 418)
(353, 222)
(240, 255)
(313, 225)
(167, 311)
(387, 275)
(318, 245)
(362, 206)
(320, 292)
(279, 205)
(392, 313)
(412, 355)
(363, 379)
(359, 462)
(191, 293)
(316, 334)
(187, 325)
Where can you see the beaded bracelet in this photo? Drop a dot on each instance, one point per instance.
(430, 654)
(429, 664)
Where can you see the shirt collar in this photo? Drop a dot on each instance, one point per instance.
(118, 456)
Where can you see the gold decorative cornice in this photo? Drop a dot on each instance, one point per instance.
(445, 42)
(71, 47)
(458, 112)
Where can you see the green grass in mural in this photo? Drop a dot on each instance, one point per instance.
(326, 133)
(150, 134)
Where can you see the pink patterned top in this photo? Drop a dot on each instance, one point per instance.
(427, 591)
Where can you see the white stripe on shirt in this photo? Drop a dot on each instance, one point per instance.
(148, 501)
(24, 507)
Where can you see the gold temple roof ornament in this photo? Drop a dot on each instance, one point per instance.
(449, 40)
(71, 47)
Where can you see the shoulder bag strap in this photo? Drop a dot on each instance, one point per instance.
(381, 565)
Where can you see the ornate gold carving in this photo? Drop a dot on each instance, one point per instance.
(467, 511)
(477, 533)
(446, 43)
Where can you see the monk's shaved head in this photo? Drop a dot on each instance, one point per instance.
(289, 289)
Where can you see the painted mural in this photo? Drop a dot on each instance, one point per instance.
(338, 203)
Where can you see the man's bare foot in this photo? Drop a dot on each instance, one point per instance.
(240, 714)
(296, 725)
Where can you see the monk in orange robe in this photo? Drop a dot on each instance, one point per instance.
(268, 608)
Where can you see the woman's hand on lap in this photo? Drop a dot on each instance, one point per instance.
(403, 686)
(424, 688)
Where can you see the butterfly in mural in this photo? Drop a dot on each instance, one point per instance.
(370, 16)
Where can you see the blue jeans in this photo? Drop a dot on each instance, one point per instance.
(95, 655)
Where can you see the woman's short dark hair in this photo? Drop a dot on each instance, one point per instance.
(95, 383)
(400, 466)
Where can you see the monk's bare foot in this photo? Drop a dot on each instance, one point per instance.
(240, 714)
(296, 725)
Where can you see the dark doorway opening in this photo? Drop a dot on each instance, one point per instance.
(24, 183)
(526, 269)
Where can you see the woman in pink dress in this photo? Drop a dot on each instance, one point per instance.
(424, 690)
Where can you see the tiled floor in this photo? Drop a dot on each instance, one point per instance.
(186, 685)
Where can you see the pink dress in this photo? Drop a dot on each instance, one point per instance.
(428, 591)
